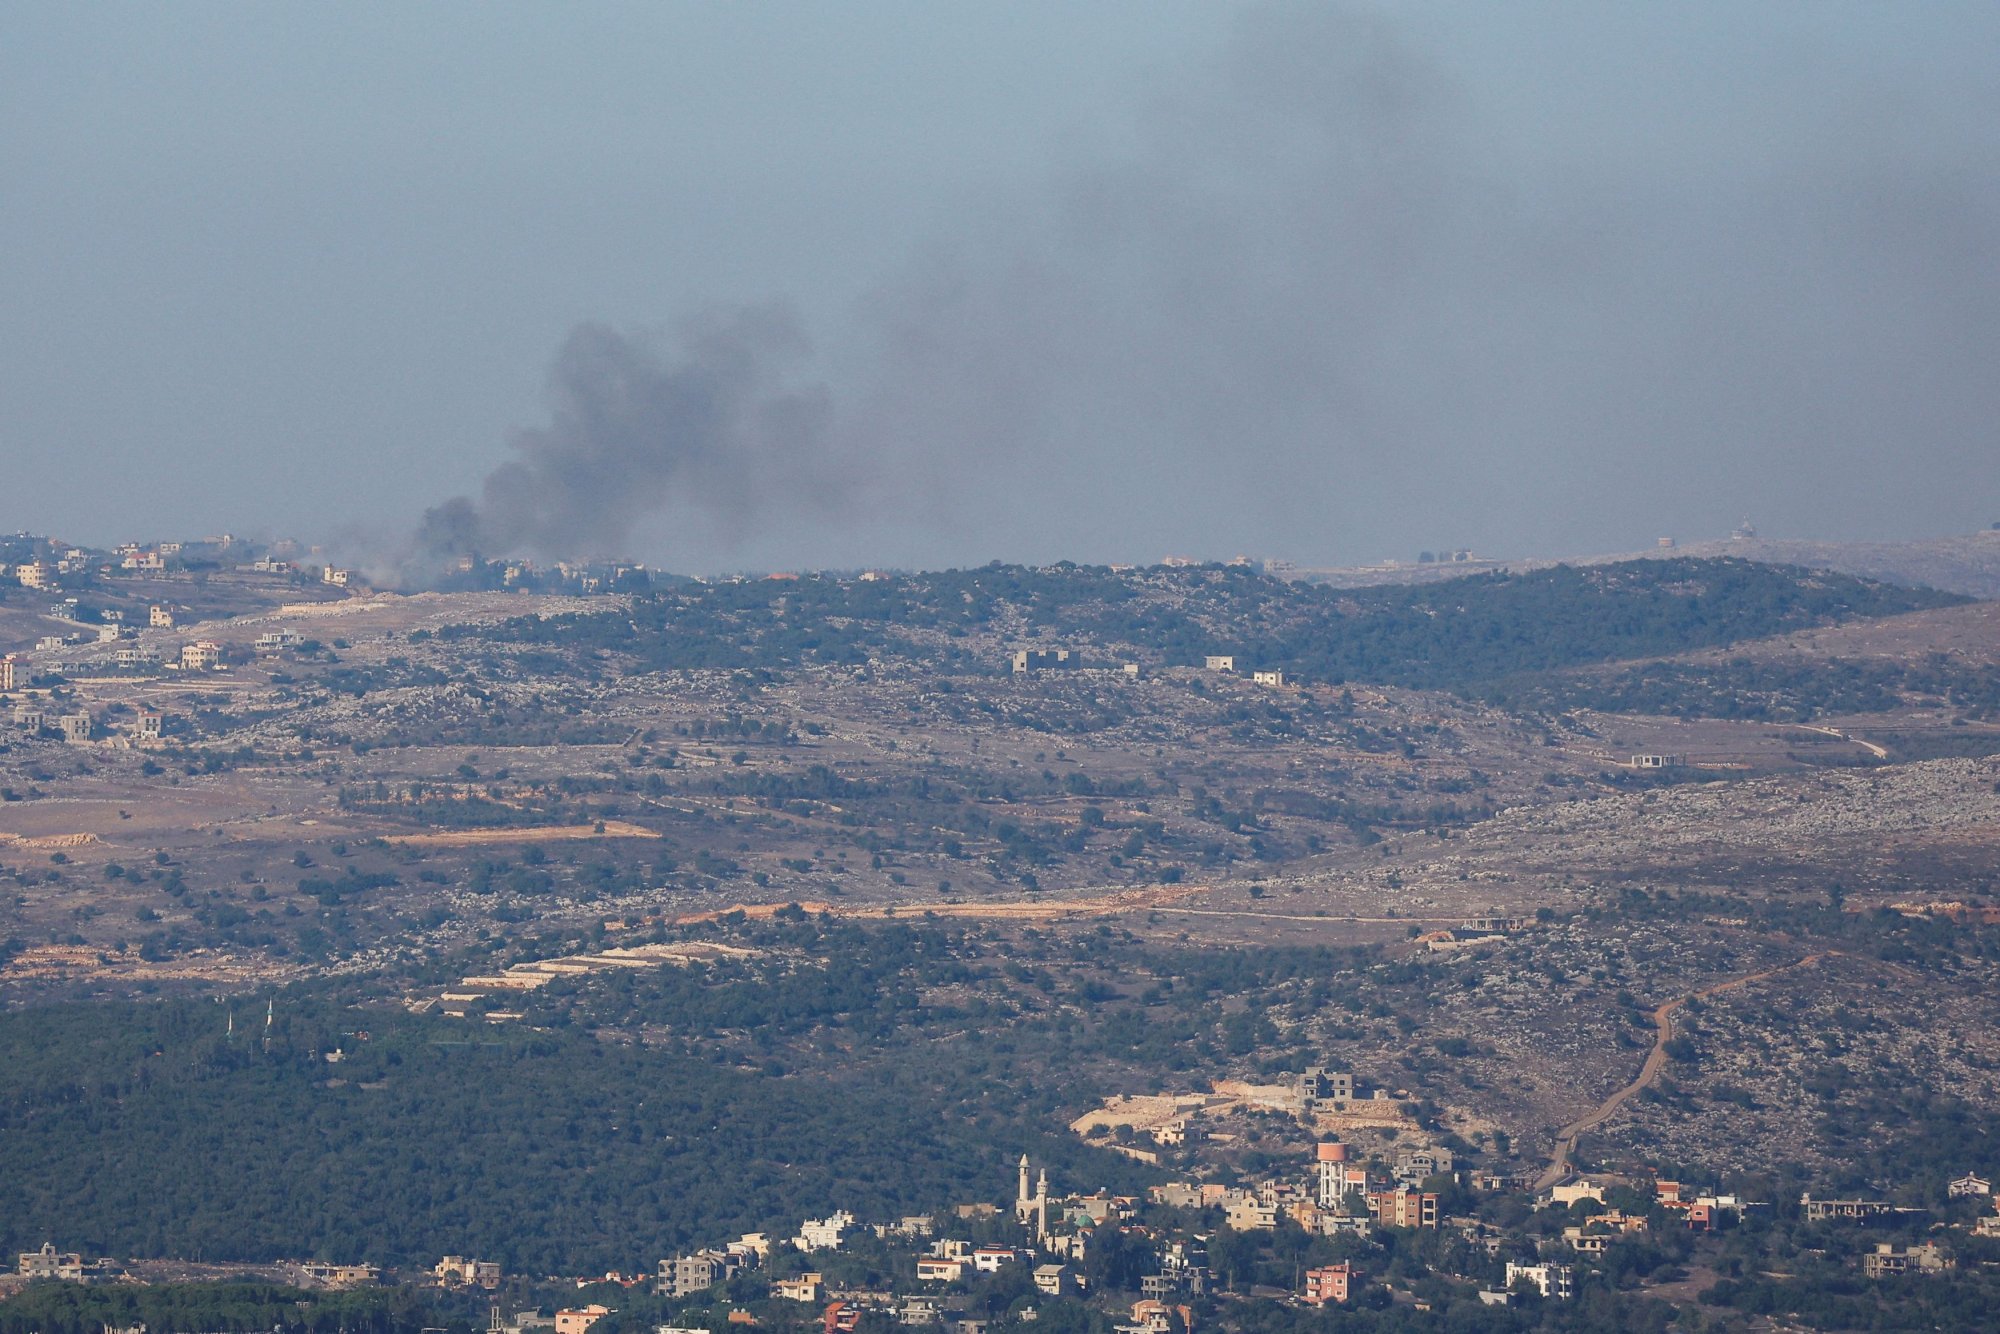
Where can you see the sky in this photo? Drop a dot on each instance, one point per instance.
(768, 285)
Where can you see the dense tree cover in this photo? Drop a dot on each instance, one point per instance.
(1841, 1298)
(237, 1308)
(1460, 634)
(645, 1112)
(143, 1130)
(1777, 690)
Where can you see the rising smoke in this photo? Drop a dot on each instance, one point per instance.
(706, 419)
(1321, 305)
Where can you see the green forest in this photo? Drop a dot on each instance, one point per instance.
(1461, 634)
(142, 1129)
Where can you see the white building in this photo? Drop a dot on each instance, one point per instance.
(990, 1259)
(1555, 1282)
(824, 1234)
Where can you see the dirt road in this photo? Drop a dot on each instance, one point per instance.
(1649, 1073)
(1877, 751)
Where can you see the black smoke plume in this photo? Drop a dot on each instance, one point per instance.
(706, 420)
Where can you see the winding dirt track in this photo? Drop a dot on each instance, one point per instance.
(1649, 1073)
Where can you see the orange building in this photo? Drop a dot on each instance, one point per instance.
(577, 1321)
(1330, 1283)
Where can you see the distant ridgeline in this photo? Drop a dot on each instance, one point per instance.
(1466, 635)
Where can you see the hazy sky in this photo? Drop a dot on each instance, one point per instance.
(772, 284)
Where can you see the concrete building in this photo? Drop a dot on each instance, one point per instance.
(1251, 1215)
(991, 1259)
(1330, 1283)
(807, 1287)
(1596, 1236)
(1042, 660)
(920, 1311)
(686, 1275)
(1220, 662)
(1415, 1165)
(1583, 1188)
(1959, 1189)
(160, 617)
(1319, 1085)
(13, 672)
(273, 641)
(1555, 1282)
(1829, 1211)
(933, 1269)
(35, 574)
(1054, 1280)
(458, 1271)
(1274, 679)
(1403, 1207)
(824, 1234)
(582, 1318)
(75, 727)
(48, 1263)
(1183, 1271)
(1886, 1261)
(201, 656)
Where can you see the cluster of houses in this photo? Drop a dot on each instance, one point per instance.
(145, 726)
(1028, 660)
(41, 573)
(1340, 1194)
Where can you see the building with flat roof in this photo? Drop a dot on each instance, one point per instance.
(1042, 659)
(1555, 1282)
(49, 1263)
(1330, 1284)
(580, 1319)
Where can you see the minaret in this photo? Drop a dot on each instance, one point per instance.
(1042, 1207)
(1021, 1200)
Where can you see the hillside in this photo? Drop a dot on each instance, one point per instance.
(1455, 635)
(1968, 564)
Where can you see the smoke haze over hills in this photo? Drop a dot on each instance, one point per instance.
(1338, 287)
